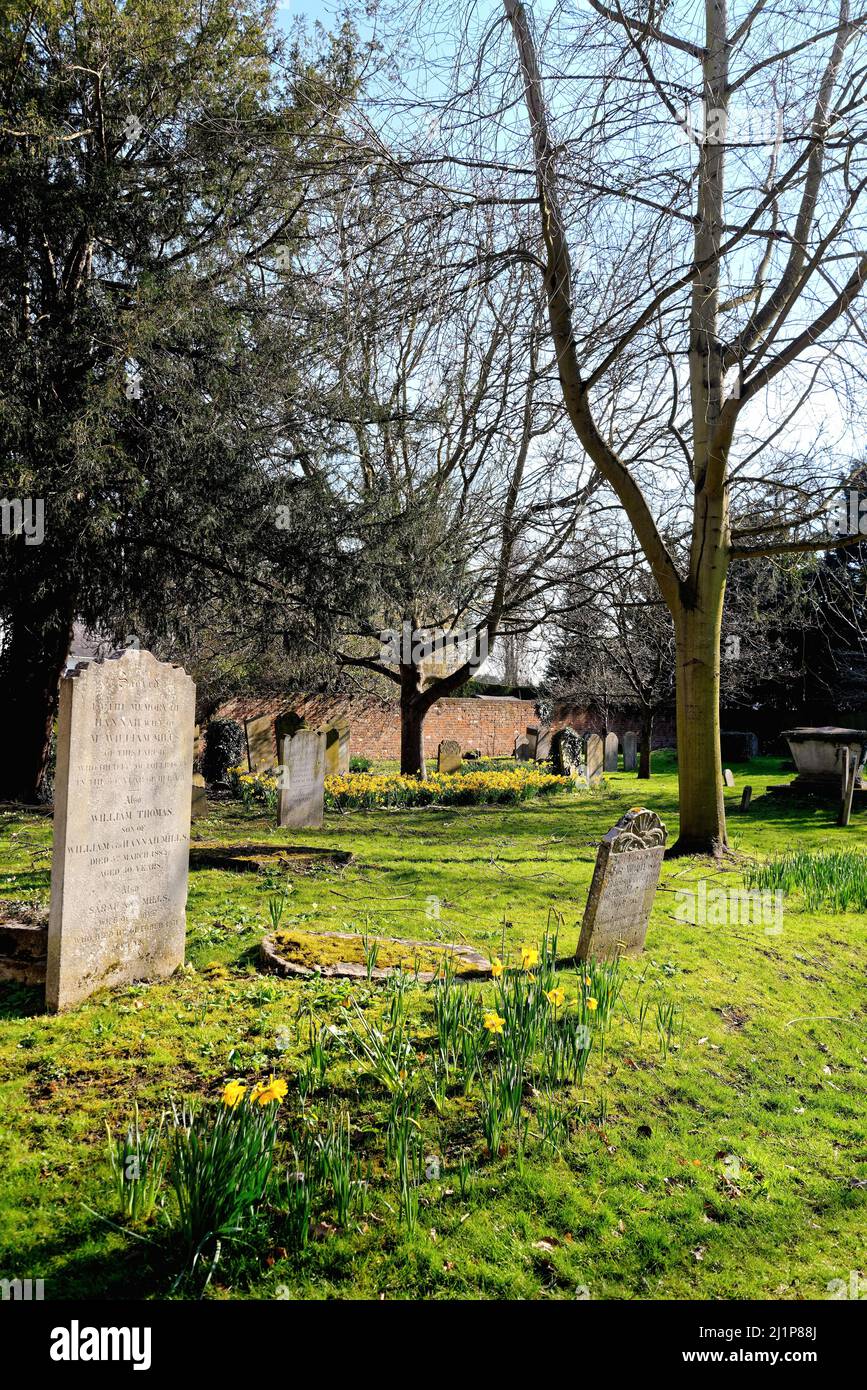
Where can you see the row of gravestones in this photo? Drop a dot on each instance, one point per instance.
(600, 755)
(122, 831)
(266, 738)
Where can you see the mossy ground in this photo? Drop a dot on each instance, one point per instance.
(735, 1166)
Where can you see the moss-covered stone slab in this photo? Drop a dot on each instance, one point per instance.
(256, 858)
(340, 955)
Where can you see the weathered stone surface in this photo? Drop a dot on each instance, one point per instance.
(818, 754)
(121, 825)
(630, 751)
(199, 803)
(746, 798)
(623, 887)
(543, 746)
(533, 736)
(593, 757)
(261, 743)
(612, 748)
(448, 756)
(522, 748)
(728, 777)
(336, 750)
(302, 781)
(468, 963)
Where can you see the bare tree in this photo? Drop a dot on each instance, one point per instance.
(738, 262)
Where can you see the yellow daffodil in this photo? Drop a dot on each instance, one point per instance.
(233, 1093)
(587, 980)
(592, 1004)
(266, 1091)
(494, 1022)
(529, 958)
(556, 998)
(496, 967)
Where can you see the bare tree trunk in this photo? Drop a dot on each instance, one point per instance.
(30, 672)
(413, 708)
(699, 762)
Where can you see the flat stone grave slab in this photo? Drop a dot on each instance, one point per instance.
(340, 955)
(256, 858)
(623, 887)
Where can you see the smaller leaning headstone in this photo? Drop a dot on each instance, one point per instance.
(199, 803)
(336, 750)
(522, 748)
(630, 751)
(612, 747)
(746, 798)
(448, 756)
(729, 777)
(593, 758)
(623, 887)
(261, 743)
(302, 781)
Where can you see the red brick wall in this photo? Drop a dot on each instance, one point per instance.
(374, 724)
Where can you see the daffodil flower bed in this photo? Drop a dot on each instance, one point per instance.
(366, 791)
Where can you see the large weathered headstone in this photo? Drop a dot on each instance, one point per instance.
(261, 743)
(533, 736)
(336, 750)
(449, 756)
(302, 781)
(630, 751)
(522, 748)
(121, 825)
(623, 887)
(612, 748)
(543, 746)
(593, 757)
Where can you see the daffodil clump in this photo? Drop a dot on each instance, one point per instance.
(365, 791)
(254, 789)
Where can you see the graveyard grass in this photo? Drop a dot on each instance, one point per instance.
(642, 1203)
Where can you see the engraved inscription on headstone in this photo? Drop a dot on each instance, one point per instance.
(630, 751)
(593, 756)
(301, 780)
(612, 748)
(121, 825)
(623, 888)
(449, 756)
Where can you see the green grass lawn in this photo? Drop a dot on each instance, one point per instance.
(731, 1164)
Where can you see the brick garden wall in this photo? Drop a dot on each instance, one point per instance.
(491, 725)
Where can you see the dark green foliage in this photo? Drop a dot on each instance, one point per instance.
(224, 748)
